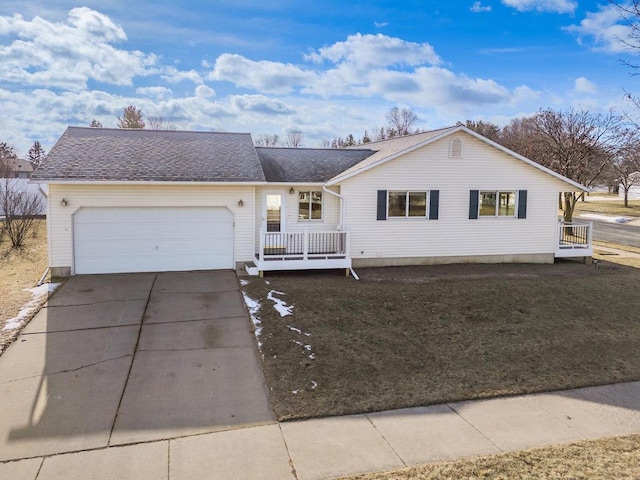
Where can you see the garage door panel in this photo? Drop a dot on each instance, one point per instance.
(122, 240)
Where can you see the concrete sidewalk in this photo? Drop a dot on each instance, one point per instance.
(339, 446)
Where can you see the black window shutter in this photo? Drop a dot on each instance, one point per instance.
(522, 204)
(382, 204)
(434, 203)
(474, 198)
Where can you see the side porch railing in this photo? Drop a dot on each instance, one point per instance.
(574, 239)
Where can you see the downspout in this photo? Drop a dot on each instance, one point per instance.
(343, 202)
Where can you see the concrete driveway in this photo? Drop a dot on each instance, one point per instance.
(121, 359)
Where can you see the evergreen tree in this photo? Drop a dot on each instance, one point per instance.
(36, 154)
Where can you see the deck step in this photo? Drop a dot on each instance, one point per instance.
(251, 269)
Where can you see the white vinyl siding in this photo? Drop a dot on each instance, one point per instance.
(171, 195)
(481, 168)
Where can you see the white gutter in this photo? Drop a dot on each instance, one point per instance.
(343, 202)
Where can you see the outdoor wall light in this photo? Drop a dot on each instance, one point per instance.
(240, 203)
(64, 202)
(292, 191)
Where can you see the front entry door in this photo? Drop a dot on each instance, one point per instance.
(273, 212)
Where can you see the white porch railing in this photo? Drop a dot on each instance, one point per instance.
(303, 250)
(574, 239)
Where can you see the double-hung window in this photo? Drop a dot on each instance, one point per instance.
(497, 204)
(310, 205)
(407, 204)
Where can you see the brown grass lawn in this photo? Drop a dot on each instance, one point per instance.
(20, 269)
(411, 336)
(609, 207)
(604, 459)
(621, 258)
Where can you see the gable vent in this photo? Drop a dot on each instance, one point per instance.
(455, 148)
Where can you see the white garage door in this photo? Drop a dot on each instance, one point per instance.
(120, 240)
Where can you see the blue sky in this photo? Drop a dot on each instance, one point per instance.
(325, 68)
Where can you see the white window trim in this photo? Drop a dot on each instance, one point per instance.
(307, 220)
(406, 213)
(498, 192)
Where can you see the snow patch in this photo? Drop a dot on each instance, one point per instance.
(314, 384)
(39, 294)
(244, 282)
(306, 347)
(294, 329)
(281, 307)
(606, 218)
(254, 307)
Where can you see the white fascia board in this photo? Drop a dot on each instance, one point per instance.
(143, 182)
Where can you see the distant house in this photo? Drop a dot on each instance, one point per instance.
(22, 185)
(144, 200)
(17, 168)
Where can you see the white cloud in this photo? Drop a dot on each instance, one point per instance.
(608, 29)
(173, 75)
(380, 24)
(68, 54)
(265, 76)
(205, 92)
(154, 92)
(477, 7)
(371, 51)
(260, 104)
(363, 66)
(555, 6)
(584, 85)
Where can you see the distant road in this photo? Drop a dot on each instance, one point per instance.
(616, 233)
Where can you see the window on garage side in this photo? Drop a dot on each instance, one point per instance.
(310, 205)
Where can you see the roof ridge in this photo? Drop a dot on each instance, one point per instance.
(413, 134)
(150, 130)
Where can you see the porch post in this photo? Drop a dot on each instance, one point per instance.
(305, 245)
(261, 251)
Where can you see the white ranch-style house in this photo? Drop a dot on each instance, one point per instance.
(144, 200)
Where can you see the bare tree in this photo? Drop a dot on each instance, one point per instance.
(627, 168)
(6, 151)
(267, 140)
(486, 129)
(95, 124)
(294, 138)
(400, 121)
(131, 118)
(20, 210)
(7, 157)
(158, 123)
(579, 145)
(5, 167)
(36, 154)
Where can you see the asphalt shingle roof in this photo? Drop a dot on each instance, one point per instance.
(299, 165)
(103, 154)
